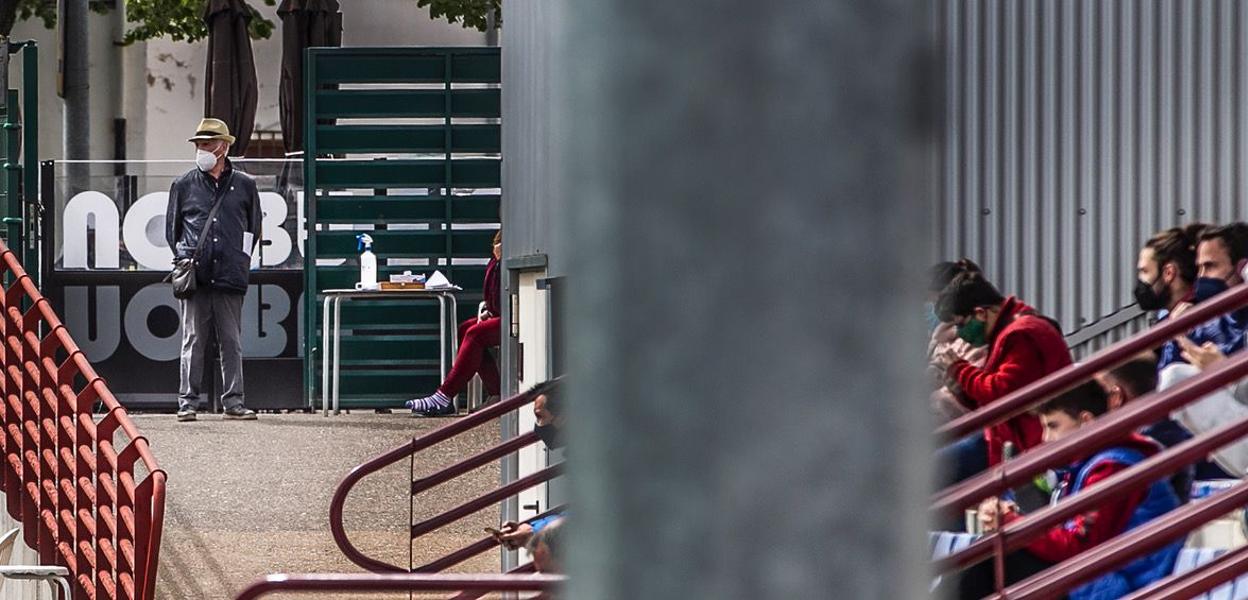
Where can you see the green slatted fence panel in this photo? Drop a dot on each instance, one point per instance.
(368, 175)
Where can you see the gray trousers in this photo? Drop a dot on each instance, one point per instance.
(210, 311)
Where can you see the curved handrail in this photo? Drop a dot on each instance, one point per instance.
(477, 547)
(79, 498)
(1018, 402)
(441, 434)
(400, 583)
(498, 495)
(528, 567)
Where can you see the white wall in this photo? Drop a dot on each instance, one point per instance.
(175, 100)
(104, 60)
(158, 86)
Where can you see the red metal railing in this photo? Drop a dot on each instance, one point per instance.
(1198, 581)
(90, 496)
(482, 417)
(1104, 431)
(418, 583)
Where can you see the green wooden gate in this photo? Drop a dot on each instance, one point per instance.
(19, 154)
(381, 126)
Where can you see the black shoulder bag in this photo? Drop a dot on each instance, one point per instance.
(183, 275)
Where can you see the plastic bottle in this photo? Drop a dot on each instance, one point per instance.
(368, 263)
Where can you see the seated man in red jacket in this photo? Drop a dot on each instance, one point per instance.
(1023, 346)
(1061, 417)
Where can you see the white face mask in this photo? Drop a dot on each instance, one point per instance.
(205, 160)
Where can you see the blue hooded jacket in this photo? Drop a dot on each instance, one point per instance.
(1143, 571)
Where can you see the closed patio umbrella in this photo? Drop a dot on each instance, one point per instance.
(305, 24)
(231, 92)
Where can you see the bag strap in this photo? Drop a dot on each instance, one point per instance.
(219, 197)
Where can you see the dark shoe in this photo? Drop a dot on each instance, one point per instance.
(444, 411)
(238, 413)
(186, 414)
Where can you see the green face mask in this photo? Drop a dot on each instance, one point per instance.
(974, 332)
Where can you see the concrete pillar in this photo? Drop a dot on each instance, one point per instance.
(745, 197)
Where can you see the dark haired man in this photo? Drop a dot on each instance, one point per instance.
(1023, 346)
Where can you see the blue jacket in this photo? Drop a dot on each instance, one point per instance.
(1159, 500)
(540, 524)
(1226, 331)
(223, 264)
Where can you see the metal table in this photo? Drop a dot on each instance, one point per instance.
(330, 356)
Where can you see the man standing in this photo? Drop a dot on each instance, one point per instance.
(221, 205)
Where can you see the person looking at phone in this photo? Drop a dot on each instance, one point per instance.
(1061, 417)
(1221, 258)
(550, 420)
(1023, 346)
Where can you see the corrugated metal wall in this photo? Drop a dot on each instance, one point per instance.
(1074, 129)
(531, 176)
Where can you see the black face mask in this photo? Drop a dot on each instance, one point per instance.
(550, 435)
(1149, 298)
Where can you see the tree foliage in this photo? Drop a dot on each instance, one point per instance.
(12, 11)
(468, 13)
(181, 20)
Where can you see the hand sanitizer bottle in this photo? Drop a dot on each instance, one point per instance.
(368, 263)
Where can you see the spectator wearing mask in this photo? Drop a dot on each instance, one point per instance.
(1135, 378)
(213, 220)
(550, 419)
(1221, 257)
(1166, 279)
(944, 400)
(1061, 417)
(1023, 346)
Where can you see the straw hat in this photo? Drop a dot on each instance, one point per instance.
(212, 129)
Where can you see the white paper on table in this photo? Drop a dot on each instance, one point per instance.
(438, 281)
(249, 241)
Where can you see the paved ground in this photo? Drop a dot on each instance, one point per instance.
(250, 498)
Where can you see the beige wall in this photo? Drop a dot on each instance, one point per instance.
(104, 60)
(158, 86)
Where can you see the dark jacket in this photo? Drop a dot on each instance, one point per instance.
(1227, 332)
(1023, 347)
(223, 264)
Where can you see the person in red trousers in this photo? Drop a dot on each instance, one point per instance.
(476, 335)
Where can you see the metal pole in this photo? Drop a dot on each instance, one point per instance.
(77, 119)
(744, 198)
(491, 28)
